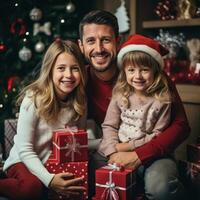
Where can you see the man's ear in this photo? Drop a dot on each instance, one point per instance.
(80, 44)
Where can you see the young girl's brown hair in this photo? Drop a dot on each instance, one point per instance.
(158, 89)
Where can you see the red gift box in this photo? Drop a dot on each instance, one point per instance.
(191, 172)
(79, 169)
(113, 183)
(10, 126)
(193, 153)
(69, 146)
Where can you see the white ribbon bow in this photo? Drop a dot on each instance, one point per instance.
(46, 28)
(112, 167)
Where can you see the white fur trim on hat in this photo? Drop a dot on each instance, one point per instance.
(137, 47)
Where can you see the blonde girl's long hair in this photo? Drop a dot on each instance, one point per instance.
(158, 89)
(42, 90)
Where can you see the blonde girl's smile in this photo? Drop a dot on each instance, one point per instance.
(66, 74)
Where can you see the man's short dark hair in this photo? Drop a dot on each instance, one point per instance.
(100, 17)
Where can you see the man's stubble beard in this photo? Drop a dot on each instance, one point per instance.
(100, 69)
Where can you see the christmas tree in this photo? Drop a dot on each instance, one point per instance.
(27, 27)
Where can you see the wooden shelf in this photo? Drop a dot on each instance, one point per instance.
(189, 93)
(171, 23)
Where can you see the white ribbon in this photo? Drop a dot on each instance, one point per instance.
(46, 28)
(192, 170)
(112, 167)
(110, 191)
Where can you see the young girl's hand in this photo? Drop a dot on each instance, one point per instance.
(123, 147)
(125, 159)
(66, 184)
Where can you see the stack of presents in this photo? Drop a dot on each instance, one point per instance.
(70, 154)
(190, 170)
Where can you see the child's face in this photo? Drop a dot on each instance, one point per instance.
(66, 74)
(139, 77)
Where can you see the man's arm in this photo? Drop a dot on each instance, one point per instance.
(171, 137)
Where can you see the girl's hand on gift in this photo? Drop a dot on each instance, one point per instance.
(126, 159)
(123, 147)
(66, 184)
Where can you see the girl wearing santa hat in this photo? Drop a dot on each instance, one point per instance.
(141, 103)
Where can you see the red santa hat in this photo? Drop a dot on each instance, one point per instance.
(144, 44)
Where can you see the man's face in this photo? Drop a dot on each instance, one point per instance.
(99, 46)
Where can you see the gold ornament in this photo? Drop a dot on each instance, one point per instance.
(186, 9)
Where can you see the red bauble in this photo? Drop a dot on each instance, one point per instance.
(2, 47)
(196, 78)
(182, 77)
(11, 82)
(174, 77)
(18, 27)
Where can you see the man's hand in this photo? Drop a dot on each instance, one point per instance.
(123, 147)
(66, 184)
(126, 159)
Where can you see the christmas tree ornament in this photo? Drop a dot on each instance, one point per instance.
(39, 47)
(193, 46)
(186, 9)
(166, 10)
(25, 54)
(173, 42)
(45, 28)
(122, 18)
(12, 82)
(2, 47)
(197, 14)
(70, 7)
(35, 14)
(18, 27)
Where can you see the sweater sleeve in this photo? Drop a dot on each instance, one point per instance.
(110, 129)
(166, 142)
(24, 141)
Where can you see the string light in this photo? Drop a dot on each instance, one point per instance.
(62, 21)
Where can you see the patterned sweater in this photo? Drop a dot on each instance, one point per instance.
(99, 95)
(137, 125)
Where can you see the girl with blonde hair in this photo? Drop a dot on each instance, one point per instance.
(55, 100)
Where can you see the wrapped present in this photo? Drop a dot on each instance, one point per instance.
(113, 183)
(193, 153)
(10, 130)
(190, 172)
(70, 145)
(79, 169)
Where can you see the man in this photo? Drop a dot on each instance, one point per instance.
(99, 42)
